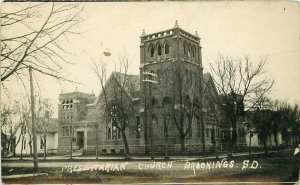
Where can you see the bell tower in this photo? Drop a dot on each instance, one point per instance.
(160, 51)
(168, 58)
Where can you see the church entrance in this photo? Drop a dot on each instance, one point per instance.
(80, 139)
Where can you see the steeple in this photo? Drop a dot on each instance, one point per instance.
(144, 33)
(176, 24)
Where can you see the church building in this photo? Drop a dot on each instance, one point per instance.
(169, 107)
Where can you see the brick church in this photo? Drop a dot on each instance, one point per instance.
(173, 105)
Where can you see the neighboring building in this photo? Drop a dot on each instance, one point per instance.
(262, 128)
(256, 142)
(175, 56)
(26, 139)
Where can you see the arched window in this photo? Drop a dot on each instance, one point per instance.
(166, 100)
(186, 76)
(184, 48)
(159, 50)
(167, 49)
(64, 106)
(108, 133)
(187, 100)
(115, 120)
(71, 104)
(191, 77)
(152, 51)
(154, 102)
(189, 51)
(193, 52)
(158, 76)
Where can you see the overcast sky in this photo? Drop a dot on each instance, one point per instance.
(256, 29)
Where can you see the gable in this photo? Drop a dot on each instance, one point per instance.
(130, 84)
(209, 88)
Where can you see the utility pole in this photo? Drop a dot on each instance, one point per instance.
(71, 142)
(151, 122)
(35, 157)
(150, 81)
(97, 140)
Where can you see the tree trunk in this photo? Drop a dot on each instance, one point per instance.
(233, 140)
(97, 140)
(21, 158)
(286, 142)
(166, 144)
(265, 146)
(182, 146)
(127, 153)
(234, 135)
(275, 139)
(14, 146)
(250, 140)
(30, 148)
(45, 146)
(215, 143)
(10, 147)
(203, 135)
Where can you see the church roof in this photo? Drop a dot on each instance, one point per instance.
(132, 82)
(206, 79)
(131, 86)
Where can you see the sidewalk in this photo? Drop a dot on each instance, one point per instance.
(143, 158)
(23, 175)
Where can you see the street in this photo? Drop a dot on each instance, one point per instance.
(277, 167)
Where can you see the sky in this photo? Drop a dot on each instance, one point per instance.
(256, 29)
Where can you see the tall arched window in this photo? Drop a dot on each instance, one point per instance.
(154, 102)
(115, 121)
(189, 51)
(186, 77)
(158, 76)
(184, 48)
(152, 51)
(159, 50)
(167, 49)
(193, 52)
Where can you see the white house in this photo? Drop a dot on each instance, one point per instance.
(255, 142)
(23, 146)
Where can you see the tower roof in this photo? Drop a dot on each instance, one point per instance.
(176, 30)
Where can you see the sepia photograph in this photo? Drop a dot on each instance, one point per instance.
(152, 92)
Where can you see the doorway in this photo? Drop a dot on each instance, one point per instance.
(80, 139)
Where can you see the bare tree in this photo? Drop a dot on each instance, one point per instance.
(237, 80)
(100, 69)
(24, 111)
(10, 123)
(44, 112)
(166, 111)
(288, 122)
(266, 103)
(43, 27)
(184, 100)
(118, 97)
